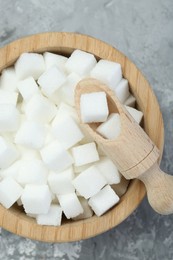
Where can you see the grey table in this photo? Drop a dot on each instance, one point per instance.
(143, 30)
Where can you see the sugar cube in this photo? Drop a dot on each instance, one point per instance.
(94, 107)
(54, 60)
(31, 135)
(136, 114)
(29, 65)
(8, 153)
(70, 204)
(52, 218)
(103, 200)
(51, 80)
(40, 109)
(8, 97)
(89, 182)
(67, 90)
(60, 183)
(130, 101)
(56, 157)
(11, 171)
(109, 170)
(36, 199)
(121, 187)
(67, 132)
(28, 154)
(80, 62)
(87, 213)
(8, 79)
(32, 172)
(122, 90)
(108, 72)
(10, 192)
(111, 128)
(9, 118)
(84, 154)
(27, 88)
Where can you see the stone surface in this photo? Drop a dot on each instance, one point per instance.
(143, 30)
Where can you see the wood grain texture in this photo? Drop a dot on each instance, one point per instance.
(14, 219)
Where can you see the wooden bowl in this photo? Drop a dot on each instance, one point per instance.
(14, 219)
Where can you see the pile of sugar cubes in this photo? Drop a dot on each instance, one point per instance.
(48, 165)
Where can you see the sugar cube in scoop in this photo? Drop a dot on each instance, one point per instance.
(52, 218)
(111, 128)
(56, 157)
(36, 199)
(9, 118)
(103, 200)
(84, 154)
(70, 204)
(10, 192)
(94, 107)
(29, 65)
(108, 72)
(80, 62)
(89, 182)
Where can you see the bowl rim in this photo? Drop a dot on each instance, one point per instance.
(15, 220)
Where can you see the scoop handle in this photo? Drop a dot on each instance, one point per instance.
(159, 186)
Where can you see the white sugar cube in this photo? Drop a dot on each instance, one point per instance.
(27, 88)
(87, 213)
(51, 80)
(94, 107)
(36, 199)
(31, 134)
(8, 79)
(79, 169)
(32, 172)
(109, 170)
(11, 171)
(29, 65)
(80, 62)
(89, 182)
(40, 109)
(70, 204)
(67, 90)
(10, 192)
(121, 187)
(9, 118)
(65, 110)
(111, 128)
(8, 153)
(61, 183)
(8, 97)
(28, 154)
(54, 60)
(136, 114)
(122, 90)
(103, 200)
(84, 154)
(52, 218)
(56, 157)
(130, 101)
(108, 72)
(67, 132)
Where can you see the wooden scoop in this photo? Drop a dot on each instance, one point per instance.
(133, 152)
